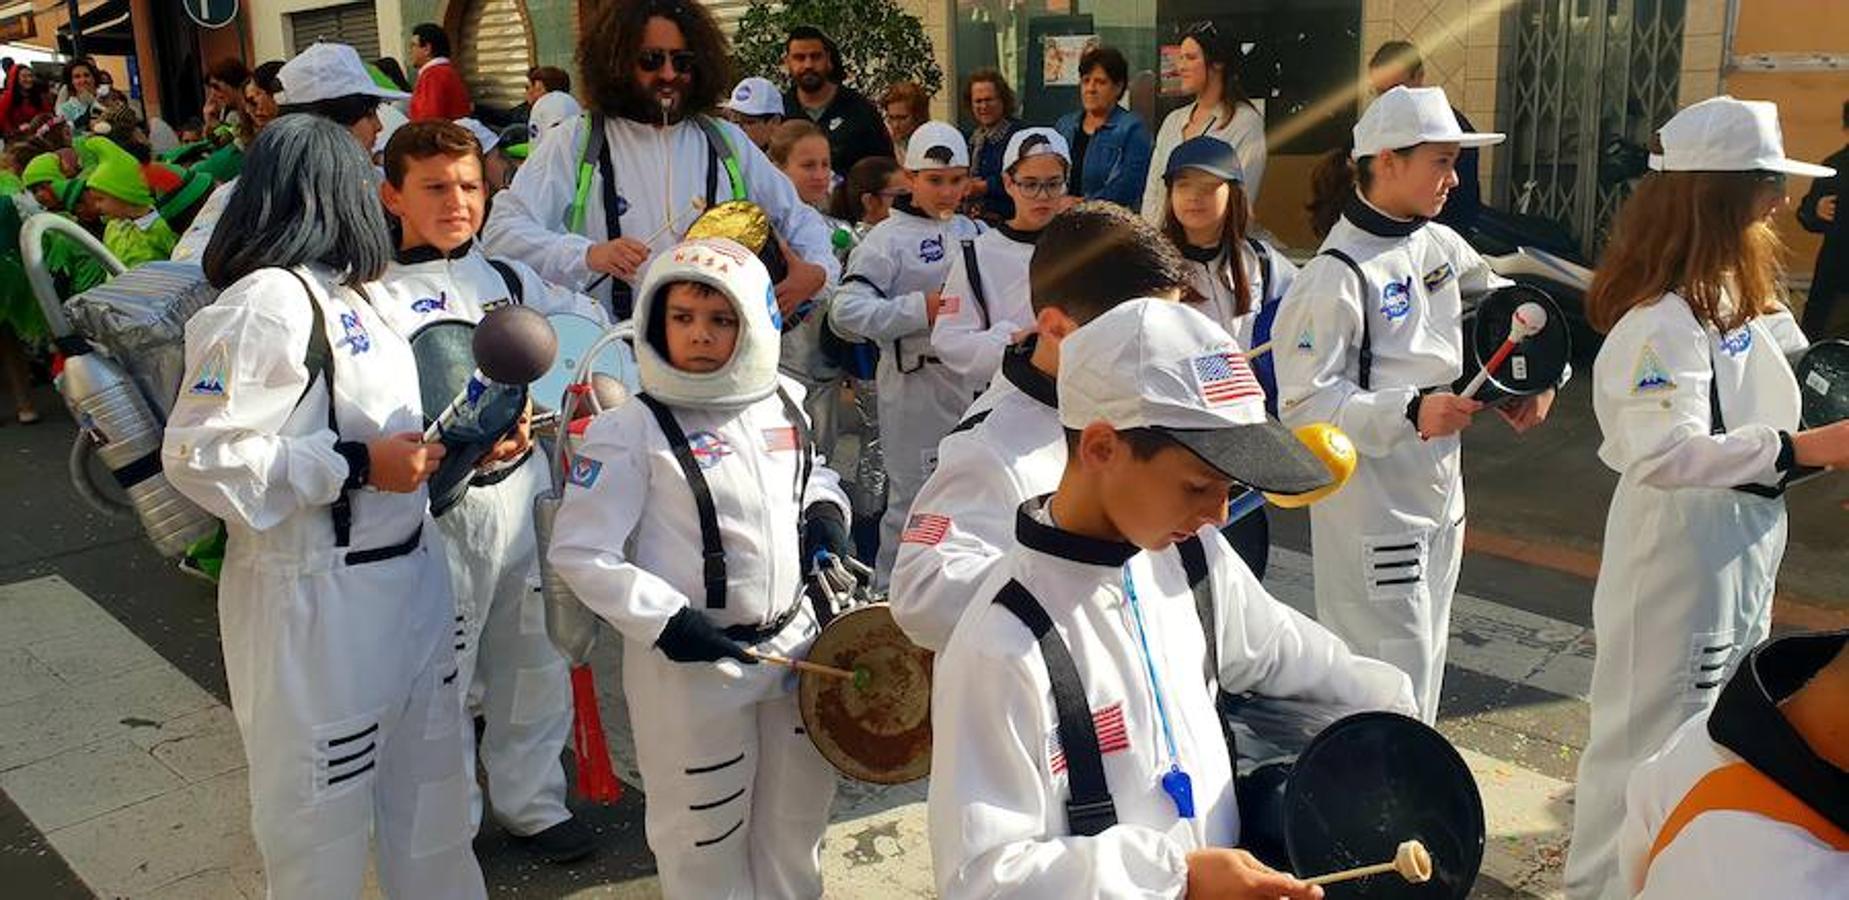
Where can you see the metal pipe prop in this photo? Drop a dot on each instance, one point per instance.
(1411, 861)
(1527, 322)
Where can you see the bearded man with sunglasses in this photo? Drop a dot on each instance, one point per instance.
(595, 203)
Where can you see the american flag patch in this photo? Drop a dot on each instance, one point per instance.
(928, 529)
(776, 439)
(1225, 378)
(1112, 736)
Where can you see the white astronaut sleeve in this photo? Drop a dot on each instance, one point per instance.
(1274, 650)
(191, 245)
(605, 494)
(528, 219)
(1726, 855)
(1652, 387)
(798, 224)
(862, 308)
(824, 482)
(971, 501)
(959, 337)
(245, 373)
(548, 298)
(989, 804)
(1283, 275)
(1317, 333)
(1786, 331)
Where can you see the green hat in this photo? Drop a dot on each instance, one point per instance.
(70, 192)
(192, 189)
(44, 168)
(118, 174)
(518, 151)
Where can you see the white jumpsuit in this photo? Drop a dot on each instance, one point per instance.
(969, 340)
(998, 783)
(511, 671)
(1213, 280)
(738, 797)
(1689, 565)
(1387, 546)
(882, 299)
(342, 673)
(661, 177)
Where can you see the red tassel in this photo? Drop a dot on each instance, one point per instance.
(596, 779)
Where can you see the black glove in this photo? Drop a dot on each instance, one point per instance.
(825, 529)
(689, 637)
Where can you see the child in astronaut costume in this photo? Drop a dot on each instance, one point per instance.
(738, 797)
(334, 603)
(1239, 280)
(986, 306)
(1089, 619)
(892, 294)
(1747, 799)
(1699, 411)
(1368, 339)
(510, 669)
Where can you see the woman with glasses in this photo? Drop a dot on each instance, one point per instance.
(1699, 412)
(1209, 73)
(1110, 144)
(655, 156)
(985, 306)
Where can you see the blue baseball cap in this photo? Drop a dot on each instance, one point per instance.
(1208, 154)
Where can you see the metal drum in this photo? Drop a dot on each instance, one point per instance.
(1537, 362)
(875, 728)
(1823, 382)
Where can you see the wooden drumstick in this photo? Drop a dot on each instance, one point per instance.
(1411, 861)
(803, 665)
(1259, 350)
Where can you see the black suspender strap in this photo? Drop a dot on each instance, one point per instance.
(1194, 563)
(1089, 808)
(974, 270)
(1717, 424)
(711, 549)
(515, 290)
(1264, 272)
(805, 442)
(1366, 368)
(319, 360)
(974, 420)
(622, 300)
(712, 175)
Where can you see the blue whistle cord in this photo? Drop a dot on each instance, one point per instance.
(1175, 783)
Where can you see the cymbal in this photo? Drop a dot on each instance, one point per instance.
(876, 729)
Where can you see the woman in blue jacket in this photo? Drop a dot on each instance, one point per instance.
(1110, 145)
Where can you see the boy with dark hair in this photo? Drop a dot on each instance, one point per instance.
(434, 186)
(1077, 749)
(1009, 448)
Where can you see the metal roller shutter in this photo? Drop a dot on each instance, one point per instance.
(495, 51)
(356, 24)
(728, 12)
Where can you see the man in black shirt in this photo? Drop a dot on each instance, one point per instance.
(853, 125)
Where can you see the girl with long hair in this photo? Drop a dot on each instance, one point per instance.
(299, 423)
(1699, 412)
(1209, 74)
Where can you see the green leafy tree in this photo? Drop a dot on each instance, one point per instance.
(881, 43)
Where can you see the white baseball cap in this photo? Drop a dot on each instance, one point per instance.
(1721, 134)
(1161, 365)
(1031, 142)
(325, 71)
(756, 97)
(485, 136)
(1409, 116)
(936, 145)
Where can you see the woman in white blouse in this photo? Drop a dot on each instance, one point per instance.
(1208, 68)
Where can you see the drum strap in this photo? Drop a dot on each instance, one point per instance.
(1089, 808)
(1717, 424)
(1365, 368)
(319, 360)
(973, 268)
(1261, 327)
(1194, 564)
(516, 291)
(712, 546)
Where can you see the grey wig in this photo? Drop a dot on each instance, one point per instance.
(307, 193)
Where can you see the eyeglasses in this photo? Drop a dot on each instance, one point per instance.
(652, 60)
(1044, 190)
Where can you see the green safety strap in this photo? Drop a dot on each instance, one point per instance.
(591, 147)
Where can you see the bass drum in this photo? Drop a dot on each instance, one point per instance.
(1537, 363)
(876, 727)
(1360, 788)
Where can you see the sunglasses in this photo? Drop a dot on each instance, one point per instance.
(652, 60)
